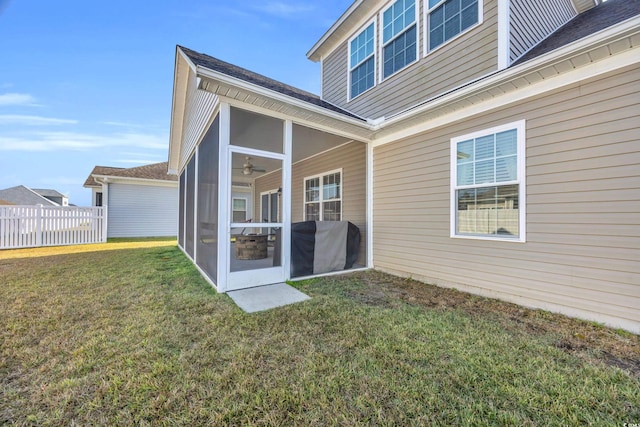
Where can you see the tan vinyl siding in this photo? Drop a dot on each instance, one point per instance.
(582, 251)
(465, 58)
(199, 109)
(532, 21)
(352, 159)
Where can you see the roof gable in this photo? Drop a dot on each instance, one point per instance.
(214, 64)
(155, 171)
(21, 195)
(585, 24)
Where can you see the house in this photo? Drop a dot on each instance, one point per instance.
(21, 195)
(141, 201)
(486, 145)
(53, 195)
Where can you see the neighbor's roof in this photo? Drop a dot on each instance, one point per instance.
(156, 171)
(214, 64)
(45, 192)
(590, 22)
(21, 195)
(4, 202)
(99, 170)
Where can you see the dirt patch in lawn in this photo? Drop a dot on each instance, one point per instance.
(587, 340)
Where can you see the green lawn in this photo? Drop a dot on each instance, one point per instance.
(136, 336)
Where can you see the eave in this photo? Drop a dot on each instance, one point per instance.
(248, 95)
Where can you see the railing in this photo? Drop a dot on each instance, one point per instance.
(33, 226)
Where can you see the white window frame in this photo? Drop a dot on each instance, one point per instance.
(520, 127)
(425, 35)
(246, 207)
(382, 44)
(321, 201)
(373, 54)
(269, 193)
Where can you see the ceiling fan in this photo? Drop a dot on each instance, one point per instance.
(248, 168)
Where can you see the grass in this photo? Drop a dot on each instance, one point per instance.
(135, 336)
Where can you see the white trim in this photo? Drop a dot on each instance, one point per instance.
(425, 29)
(311, 53)
(195, 204)
(262, 91)
(224, 164)
(137, 181)
(520, 127)
(618, 61)
(269, 193)
(382, 44)
(370, 190)
(504, 34)
(321, 201)
(246, 205)
(287, 198)
(373, 55)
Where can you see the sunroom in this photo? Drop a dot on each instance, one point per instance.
(274, 183)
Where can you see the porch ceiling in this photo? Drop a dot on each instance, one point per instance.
(242, 94)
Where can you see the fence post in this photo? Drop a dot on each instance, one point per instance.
(39, 226)
(105, 223)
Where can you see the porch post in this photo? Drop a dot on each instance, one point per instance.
(369, 205)
(286, 198)
(224, 233)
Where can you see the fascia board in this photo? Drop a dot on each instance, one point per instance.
(261, 91)
(609, 35)
(312, 53)
(110, 179)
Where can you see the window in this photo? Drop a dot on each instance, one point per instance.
(488, 189)
(362, 61)
(99, 198)
(399, 36)
(239, 213)
(323, 197)
(448, 18)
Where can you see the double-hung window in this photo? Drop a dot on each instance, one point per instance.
(488, 184)
(399, 36)
(448, 18)
(323, 197)
(239, 213)
(362, 61)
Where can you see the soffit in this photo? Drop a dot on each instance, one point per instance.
(256, 98)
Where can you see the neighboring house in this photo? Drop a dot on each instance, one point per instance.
(21, 195)
(53, 195)
(5, 203)
(486, 145)
(141, 201)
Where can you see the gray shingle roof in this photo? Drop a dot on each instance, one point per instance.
(45, 192)
(600, 17)
(158, 171)
(214, 64)
(21, 195)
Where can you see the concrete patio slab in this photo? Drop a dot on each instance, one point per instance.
(266, 297)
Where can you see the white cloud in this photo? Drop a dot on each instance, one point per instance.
(14, 99)
(73, 141)
(284, 9)
(15, 119)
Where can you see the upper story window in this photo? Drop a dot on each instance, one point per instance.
(487, 184)
(362, 61)
(399, 36)
(448, 18)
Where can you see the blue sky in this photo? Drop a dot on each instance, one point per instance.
(90, 83)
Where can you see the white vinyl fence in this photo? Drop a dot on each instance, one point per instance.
(32, 226)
